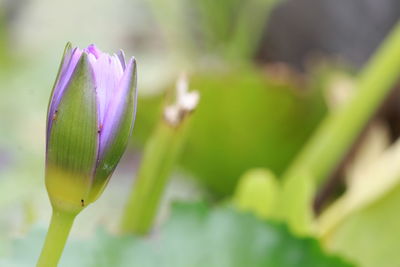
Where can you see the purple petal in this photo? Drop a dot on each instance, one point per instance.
(107, 73)
(121, 56)
(92, 49)
(117, 106)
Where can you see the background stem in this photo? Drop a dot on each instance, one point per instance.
(160, 154)
(339, 130)
(336, 134)
(60, 226)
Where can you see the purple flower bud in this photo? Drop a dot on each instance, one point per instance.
(90, 118)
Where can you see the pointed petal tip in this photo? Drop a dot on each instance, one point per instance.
(84, 58)
(68, 45)
(67, 50)
(121, 57)
(83, 65)
(132, 60)
(132, 64)
(134, 73)
(92, 49)
(122, 53)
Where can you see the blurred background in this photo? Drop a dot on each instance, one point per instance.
(268, 72)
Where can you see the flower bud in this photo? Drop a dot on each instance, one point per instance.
(90, 118)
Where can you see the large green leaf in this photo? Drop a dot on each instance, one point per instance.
(245, 119)
(195, 236)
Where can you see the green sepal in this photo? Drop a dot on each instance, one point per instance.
(66, 54)
(73, 142)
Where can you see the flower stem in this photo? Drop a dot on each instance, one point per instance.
(160, 154)
(60, 226)
(339, 129)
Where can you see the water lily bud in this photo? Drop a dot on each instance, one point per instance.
(90, 118)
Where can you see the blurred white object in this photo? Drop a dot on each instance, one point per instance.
(185, 102)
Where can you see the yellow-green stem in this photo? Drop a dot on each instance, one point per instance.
(57, 235)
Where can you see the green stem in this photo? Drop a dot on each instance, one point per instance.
(339, 130)
(336, 134)
(248, 29)
(60, 226)
(5, 50)
(160, 154)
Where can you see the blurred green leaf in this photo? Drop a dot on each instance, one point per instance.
(363, 223)
(245, 119)
(194, 236)
(257, 191)
(295, 203)
(371, 236)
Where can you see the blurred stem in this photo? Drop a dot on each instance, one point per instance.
(339, 130)
(4, 40)
(172, 21)
(160, 154)
(60, 226)
(248, 29)
(216, 20)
